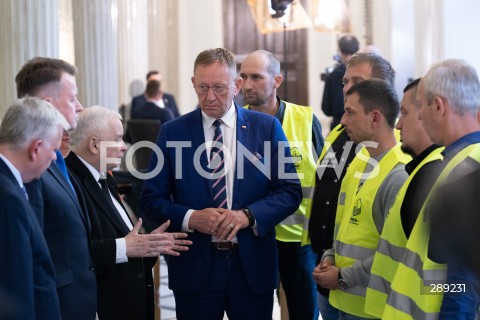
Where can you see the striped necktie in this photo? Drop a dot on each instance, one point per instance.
(217, 165)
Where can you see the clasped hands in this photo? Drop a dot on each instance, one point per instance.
(326, 274)
(221, 223)
(156, 242)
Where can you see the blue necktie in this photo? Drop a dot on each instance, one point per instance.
(63, 168)
(217, 165)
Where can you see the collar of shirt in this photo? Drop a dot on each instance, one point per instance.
(410, 167)
(159, 103)
(228, 118)
(96, 175)
(14, 170)
(461, 143)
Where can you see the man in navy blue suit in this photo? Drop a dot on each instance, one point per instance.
(29, 134)
(167, 99)
(227, 178)
(57, 199)
(154, 107)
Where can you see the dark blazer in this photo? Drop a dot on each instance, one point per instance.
(125, 290)
(27, 276)
(168, 100)
(270, 200)
(151, 111)
(67, 231)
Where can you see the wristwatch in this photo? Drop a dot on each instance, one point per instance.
(342, 284)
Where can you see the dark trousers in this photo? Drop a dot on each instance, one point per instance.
(226, 291)
(296, 264)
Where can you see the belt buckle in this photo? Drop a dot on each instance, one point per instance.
(220, 245)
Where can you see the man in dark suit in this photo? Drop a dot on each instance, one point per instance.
(29, 134)
(229, 206)
(154, 106)
(123, 257)
(56, 199)
(167, 99)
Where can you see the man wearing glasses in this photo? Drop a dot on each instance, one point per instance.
(241, 184)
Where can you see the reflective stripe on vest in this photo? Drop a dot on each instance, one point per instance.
(410, 292)
(357, 235)
(297, 125)
(391, 248)
(329, 141)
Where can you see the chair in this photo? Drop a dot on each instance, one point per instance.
(142, 130)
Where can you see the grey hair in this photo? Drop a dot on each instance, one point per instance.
(456, 81)
(92, 120)
(28, 119)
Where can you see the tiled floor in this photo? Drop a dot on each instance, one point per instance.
(167, 302)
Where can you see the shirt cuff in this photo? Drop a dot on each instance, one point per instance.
(186, 220)
(121, 255)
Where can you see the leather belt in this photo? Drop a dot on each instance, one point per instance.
(225, 245)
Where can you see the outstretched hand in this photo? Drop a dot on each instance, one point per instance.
(155, 243)
(175, 237)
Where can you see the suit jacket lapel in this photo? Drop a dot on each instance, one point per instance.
(198, 139)
(58, 175)
(242, 137)
(112, 186)
(96, 194)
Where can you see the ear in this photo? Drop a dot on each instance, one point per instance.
(440, 105)
(376, 118)
(94, 145)
(238, 85)
(193, 81)
(34, 149)
(277, 81)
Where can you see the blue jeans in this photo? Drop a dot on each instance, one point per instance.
(327, 311)
(296, 264)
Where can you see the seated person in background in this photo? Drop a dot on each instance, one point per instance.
(154, 107)
(167, 99)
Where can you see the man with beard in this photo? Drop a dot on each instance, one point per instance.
(261, 76)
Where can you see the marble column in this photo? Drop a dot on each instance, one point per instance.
(95, 34)
(28, 28)
(132, 49)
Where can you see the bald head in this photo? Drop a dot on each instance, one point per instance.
(261, 76)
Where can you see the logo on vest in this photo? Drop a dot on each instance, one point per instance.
(357, 209)
(296, 157)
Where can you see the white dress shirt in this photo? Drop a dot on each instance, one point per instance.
(229, 135)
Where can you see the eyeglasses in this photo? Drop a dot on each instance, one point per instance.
(217, 89)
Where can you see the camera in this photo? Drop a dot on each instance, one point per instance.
(328, 70)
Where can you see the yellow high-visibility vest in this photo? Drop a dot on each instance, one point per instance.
(356, 233)
(297, 126)
(329, 141)
(411, 296)
(391, 248)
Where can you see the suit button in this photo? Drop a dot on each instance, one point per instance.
(92, 268)
(140, 275)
